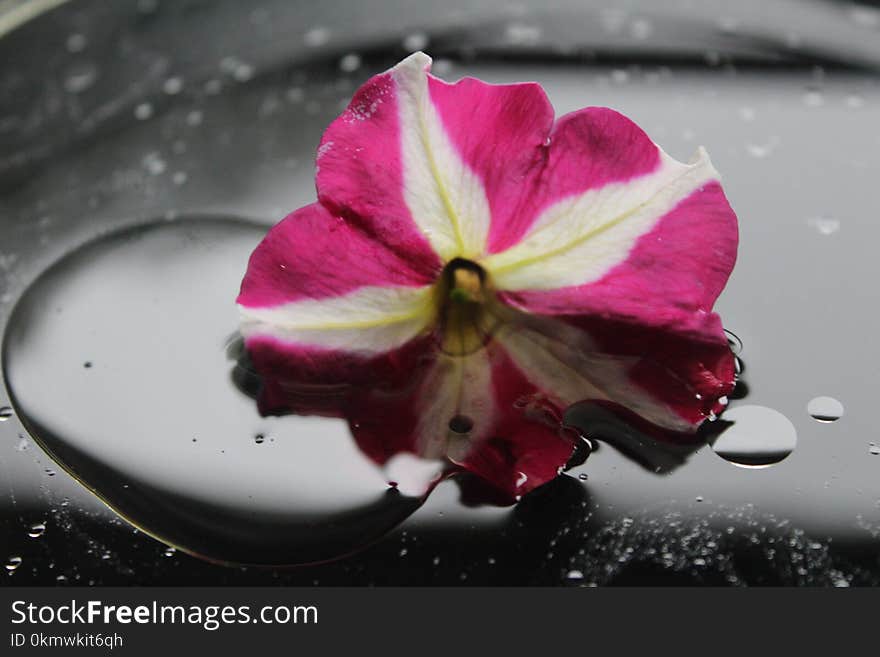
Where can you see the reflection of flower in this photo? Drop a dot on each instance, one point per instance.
(470, 261)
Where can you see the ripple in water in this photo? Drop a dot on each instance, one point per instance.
(825, 409)
(154, 306)
(753, 436)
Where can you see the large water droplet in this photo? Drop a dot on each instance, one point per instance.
(13, 563)
(154, 305)
(753, 436)
(6, 412)
(37, 530)
(825, 409)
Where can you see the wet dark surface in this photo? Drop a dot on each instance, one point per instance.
(792, 128)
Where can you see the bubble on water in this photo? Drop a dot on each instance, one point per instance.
(825, 409)
(753, 436)
(37, 530)
(814, 98)
(76, 42)
(6, 412)
(416, 41)
(350, 63)
(80, 77)
(12, 564)
(173, 85)
(522, 34)
(874, 448)
(317, 36)
(154, 164)
(143, 111)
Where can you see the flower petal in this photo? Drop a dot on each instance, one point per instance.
(320, 298)
(415, 158)
(651, 239)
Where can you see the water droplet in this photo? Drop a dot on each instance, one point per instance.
(243, 72)
(874, 449)
(350, 63)
(259, 439)
(169, 552)
(733, 340)
(79, 78)
(619, 76)
(37, 530)
(312, 497)
(317, 36)
(753, 436)
(762, 150)
(173, 85)
(698, 498)
(641, 29)
(76, 42)
(574, 575)
(824, 225)
(461, 424)
(87, 364)
(194, 118)
(825, 409)
(154, 164)
(6, 412)
(583, 476)
(416, 41)
(13, 563)
(143, 111)
(179, 178)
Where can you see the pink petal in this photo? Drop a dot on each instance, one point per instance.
(321, 300)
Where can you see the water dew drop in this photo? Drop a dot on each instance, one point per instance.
(143, 111)
(316, 37)
(76, 42)
(416, 41)
(574, 575)
(6, 412)
(734, 342)
(461, 424)
(824, 225)
(173, 85)
(825, 409)
(873, 449)
(350, 63)
(259, 439)
(79, 78)
(37, 530)
(753, 436)
(12, 564)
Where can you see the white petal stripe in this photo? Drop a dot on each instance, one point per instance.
(370, 319)
(445, 197)
(579, 239)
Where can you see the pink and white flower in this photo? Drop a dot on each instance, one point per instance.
(570, 259)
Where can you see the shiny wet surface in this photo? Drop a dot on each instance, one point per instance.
(796, 146)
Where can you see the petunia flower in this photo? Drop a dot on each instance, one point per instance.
(468, 252)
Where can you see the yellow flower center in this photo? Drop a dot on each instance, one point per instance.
(467, 310)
